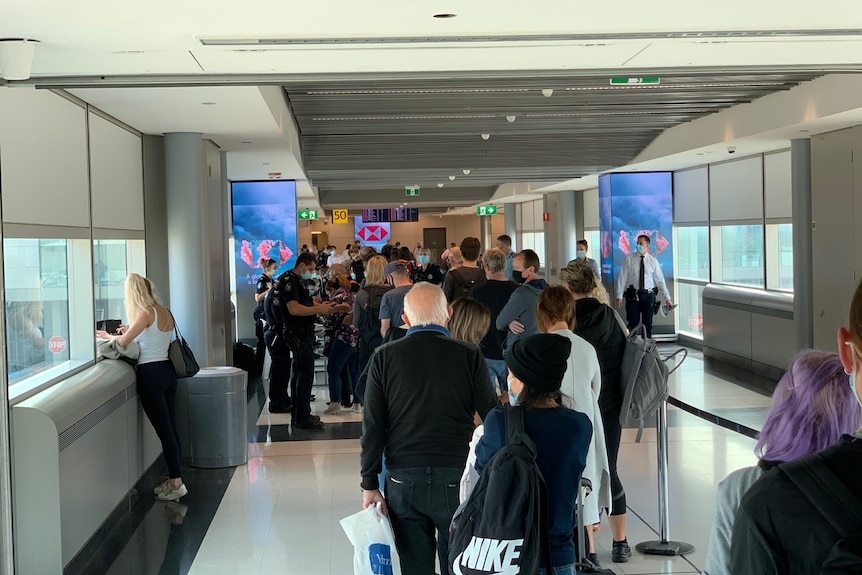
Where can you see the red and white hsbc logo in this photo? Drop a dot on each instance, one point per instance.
(372, 233)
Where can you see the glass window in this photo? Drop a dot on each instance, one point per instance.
(593, 241)
(779, 257)
(49, 309)
(535, 241)
(689, 313)
(113, 260)
(37, 305)
(737, 252)
(692, 252)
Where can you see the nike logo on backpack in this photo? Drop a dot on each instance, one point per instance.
(489, 557)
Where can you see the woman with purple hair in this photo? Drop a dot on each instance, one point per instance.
(812, 407)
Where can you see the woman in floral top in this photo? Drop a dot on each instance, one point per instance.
(343, 339)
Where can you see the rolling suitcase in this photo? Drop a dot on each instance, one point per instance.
(584, 565)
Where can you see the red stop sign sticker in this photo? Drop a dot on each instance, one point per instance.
(695, 322)
(57, 344)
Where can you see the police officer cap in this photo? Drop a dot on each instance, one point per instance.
(540, 361)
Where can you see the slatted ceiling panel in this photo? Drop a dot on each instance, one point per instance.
(383, 135)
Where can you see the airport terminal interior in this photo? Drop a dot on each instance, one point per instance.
(192, 142)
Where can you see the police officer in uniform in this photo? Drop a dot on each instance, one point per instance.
(298, 310)
(640, 280)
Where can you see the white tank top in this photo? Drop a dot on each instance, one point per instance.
(154, 342)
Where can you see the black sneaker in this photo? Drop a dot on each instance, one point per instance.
(621, 552)
(309, 424)
(594, 559)
(284, 408)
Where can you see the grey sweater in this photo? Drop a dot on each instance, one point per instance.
(730, 492)
(522, 307)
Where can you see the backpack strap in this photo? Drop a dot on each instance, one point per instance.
(516, 435)
(840, 506)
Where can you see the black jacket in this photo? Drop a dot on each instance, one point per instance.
(598, 324)
(421, 394)
(779, 530)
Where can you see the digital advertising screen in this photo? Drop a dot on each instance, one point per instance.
(264, 226)
(374, 234)
(630, 205)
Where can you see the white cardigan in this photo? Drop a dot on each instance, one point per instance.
(582, 383)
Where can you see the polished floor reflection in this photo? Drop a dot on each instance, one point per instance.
(279, 513)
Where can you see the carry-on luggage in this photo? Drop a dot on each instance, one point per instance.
(584, 565)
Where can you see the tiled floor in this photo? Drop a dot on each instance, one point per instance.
(280, 512)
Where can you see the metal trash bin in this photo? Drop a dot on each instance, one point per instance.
(212, 416)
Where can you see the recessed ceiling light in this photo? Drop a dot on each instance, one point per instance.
(548, 92)
(486, 136)
(511, 118)
(451, 178)
(208, 103)
(444, 16)
(466, 172)
(440, 185)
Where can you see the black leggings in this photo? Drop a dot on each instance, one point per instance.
(157, 388)
(613, 434)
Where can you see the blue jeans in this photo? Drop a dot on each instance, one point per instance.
(564, 570)
(499, 374)
(341, 354)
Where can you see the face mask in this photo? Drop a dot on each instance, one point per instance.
(513, 397)
(307, 276)
(518, 277)
(353, 276)
(853, 376)
(641, 249)
(424, 260)
(580, 254)
(314, 290)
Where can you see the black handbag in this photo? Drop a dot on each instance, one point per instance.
(181, 354)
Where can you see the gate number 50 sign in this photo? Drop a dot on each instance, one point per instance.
(339, 216)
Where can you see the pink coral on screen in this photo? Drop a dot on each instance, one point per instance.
(624, 243)
(607, 245)
(285, 253)
(661, 243)
(265, 247)
(246, 254)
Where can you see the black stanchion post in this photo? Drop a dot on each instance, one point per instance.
(664, 546)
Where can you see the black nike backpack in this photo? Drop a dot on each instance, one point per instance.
(503, 526)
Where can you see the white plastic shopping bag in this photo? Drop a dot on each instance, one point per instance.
(374, 551)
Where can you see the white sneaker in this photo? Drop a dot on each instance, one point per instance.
(163, 487)
(174, 494)
(357, 408)
(332, 408)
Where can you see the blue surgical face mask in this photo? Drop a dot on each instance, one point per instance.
(314, 289)
(353, 276)
(424, 260)
(513, 397)
(580, 254)
(853, 375)
(307, 276)
(641, 249)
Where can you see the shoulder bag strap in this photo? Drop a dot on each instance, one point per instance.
(840, 506)
(177, 335)
(516, 434)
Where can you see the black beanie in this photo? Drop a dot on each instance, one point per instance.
(540, 361)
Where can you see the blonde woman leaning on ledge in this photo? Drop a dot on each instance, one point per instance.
(152, 326)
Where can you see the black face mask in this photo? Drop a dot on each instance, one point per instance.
(518, 277)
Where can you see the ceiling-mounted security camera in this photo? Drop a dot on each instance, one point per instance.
(731, 149)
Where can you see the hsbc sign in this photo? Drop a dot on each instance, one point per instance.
(372, 233)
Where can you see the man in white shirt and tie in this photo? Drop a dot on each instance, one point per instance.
(640, 279)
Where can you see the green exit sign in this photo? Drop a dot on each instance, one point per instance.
(624, 81)
(486, 211)
(411, 190)
(308, 214)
